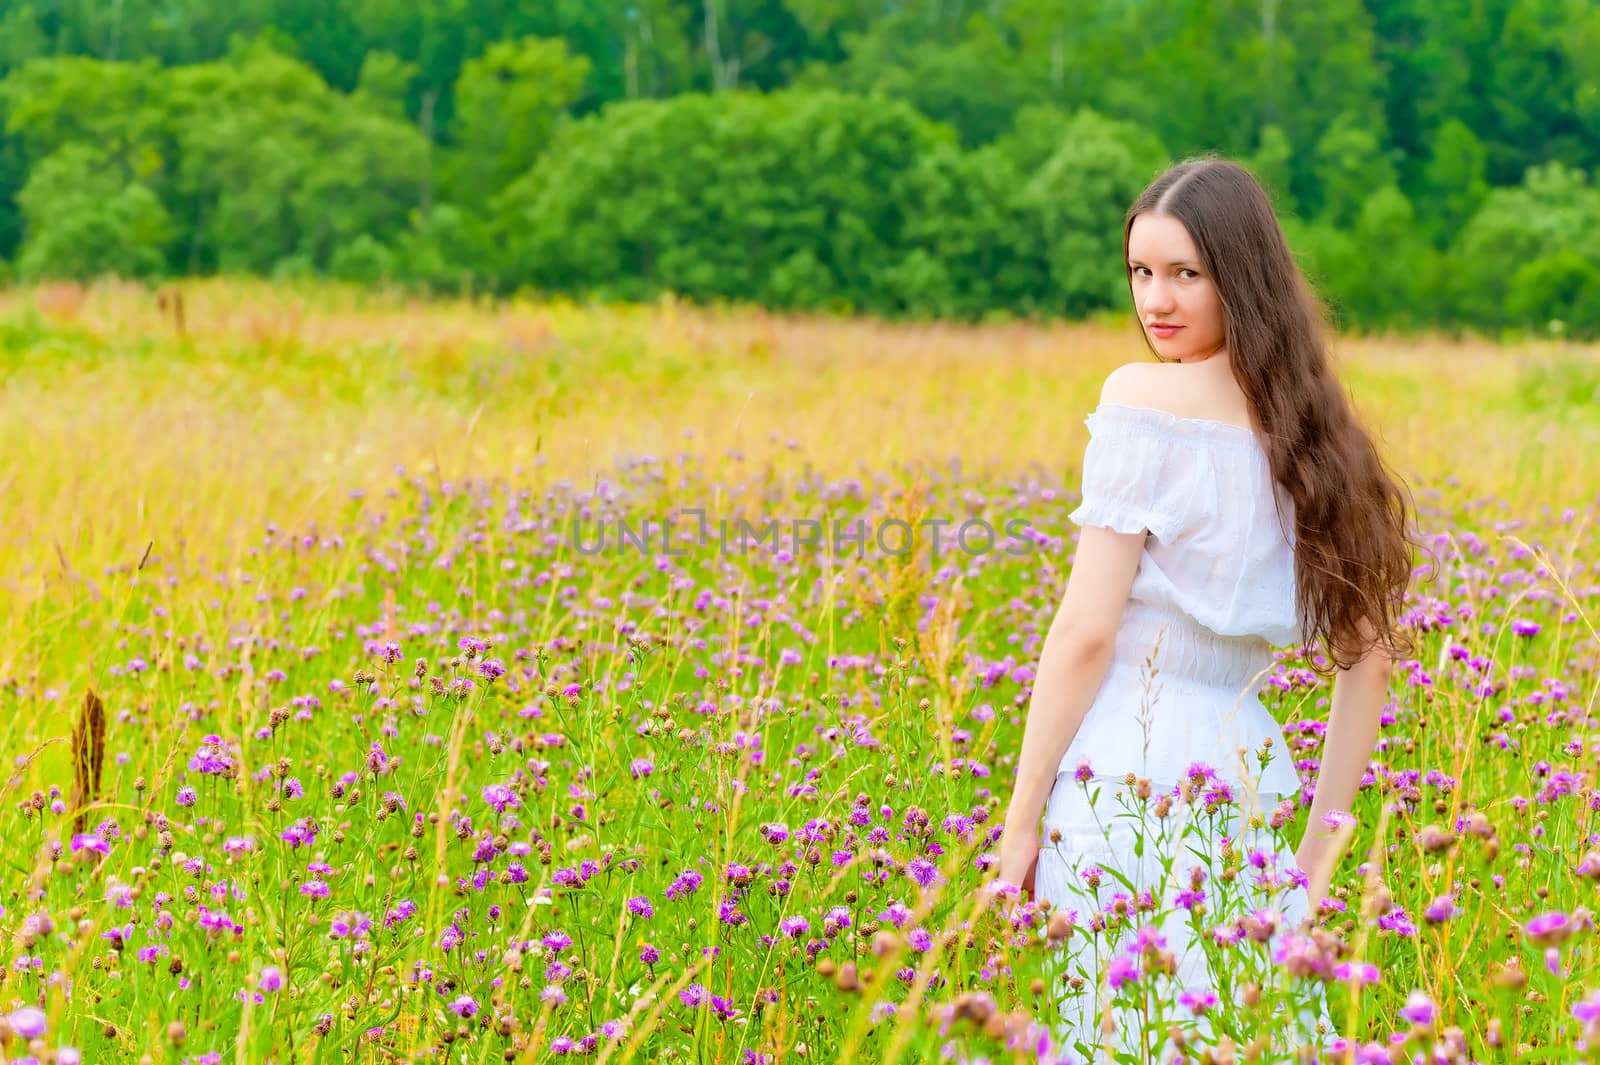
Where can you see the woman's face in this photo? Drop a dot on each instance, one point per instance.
(1171, 289)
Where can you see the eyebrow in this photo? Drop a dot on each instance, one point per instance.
(1174, 262)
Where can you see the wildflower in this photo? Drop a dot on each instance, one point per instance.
(300, 833)
(1198, 1001)
(639, 906)
(649, 955)
(500, 797)
(1356, 972)
(1337, 819)
(692, 996)
(1522, 627)
(464, 1006)
(1549, 929)
(794, 927)
(1441, 909)
(1122, 970)
(88, 841)
(1084, 773)
(29, 1022)
(271, 979)
(212, 758)
(1419, 1008)
(922, 871)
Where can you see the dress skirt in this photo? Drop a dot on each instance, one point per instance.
(1170, 893)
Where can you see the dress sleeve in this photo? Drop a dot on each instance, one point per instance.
(1128, 475)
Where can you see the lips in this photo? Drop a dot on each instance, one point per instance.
(1164, 331)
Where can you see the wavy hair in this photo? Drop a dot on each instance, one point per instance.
(1353, 533)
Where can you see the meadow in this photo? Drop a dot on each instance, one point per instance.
(331, 737)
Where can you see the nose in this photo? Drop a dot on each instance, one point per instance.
(1158, 297)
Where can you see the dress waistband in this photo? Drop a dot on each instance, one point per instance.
(1189, 654)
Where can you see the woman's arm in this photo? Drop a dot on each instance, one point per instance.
(1072, 664)
(1357, 703)
(1070, 674)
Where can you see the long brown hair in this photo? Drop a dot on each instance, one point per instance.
(1353, 534)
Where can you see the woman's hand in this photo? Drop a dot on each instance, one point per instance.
(1019, 855)
(1317, 859)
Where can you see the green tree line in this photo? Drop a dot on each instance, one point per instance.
(1434, 162)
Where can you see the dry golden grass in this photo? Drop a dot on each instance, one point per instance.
(276, 401)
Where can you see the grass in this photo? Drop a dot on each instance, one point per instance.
(383, 755)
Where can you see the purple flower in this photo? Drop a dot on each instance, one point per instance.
(88, 841)
(1440, 910)
(922, 871)
(1549, 929)
(639, 906)
(1419, 1008)
(794, 927)
(29, 1022)
(500, 797)
(1197, 1002)
(464, 1006)
(1525, 628)
(1337, 819)
(684, 884)
(1356, 972)
(641, 767)
(649, 955)
(300, 833)
(271, 979)
(1084, 773)
(692, 996)
(212, 758)
(1588, 1010)
(1122, 970)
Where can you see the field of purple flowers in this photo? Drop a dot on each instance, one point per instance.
(459, 772)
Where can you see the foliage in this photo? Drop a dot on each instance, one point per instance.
(283, 135)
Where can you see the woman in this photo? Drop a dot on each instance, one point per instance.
(1231, 503)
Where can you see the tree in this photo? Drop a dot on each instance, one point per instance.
(1558, 292)
(1079, 197)
(85, 216)
(508, 102)
(1453, 181)
(1350, 165)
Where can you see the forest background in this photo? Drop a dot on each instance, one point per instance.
(966, 159)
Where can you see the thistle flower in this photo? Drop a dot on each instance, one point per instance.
(29, 1022)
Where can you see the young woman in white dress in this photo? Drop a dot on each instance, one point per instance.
(1232, 503)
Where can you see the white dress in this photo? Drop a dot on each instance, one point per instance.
(1216, 586)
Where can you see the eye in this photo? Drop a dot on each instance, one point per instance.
(1192, 273)
(1135, 269)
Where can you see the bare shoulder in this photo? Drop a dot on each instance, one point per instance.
(1183, 391)
(1140, 384)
